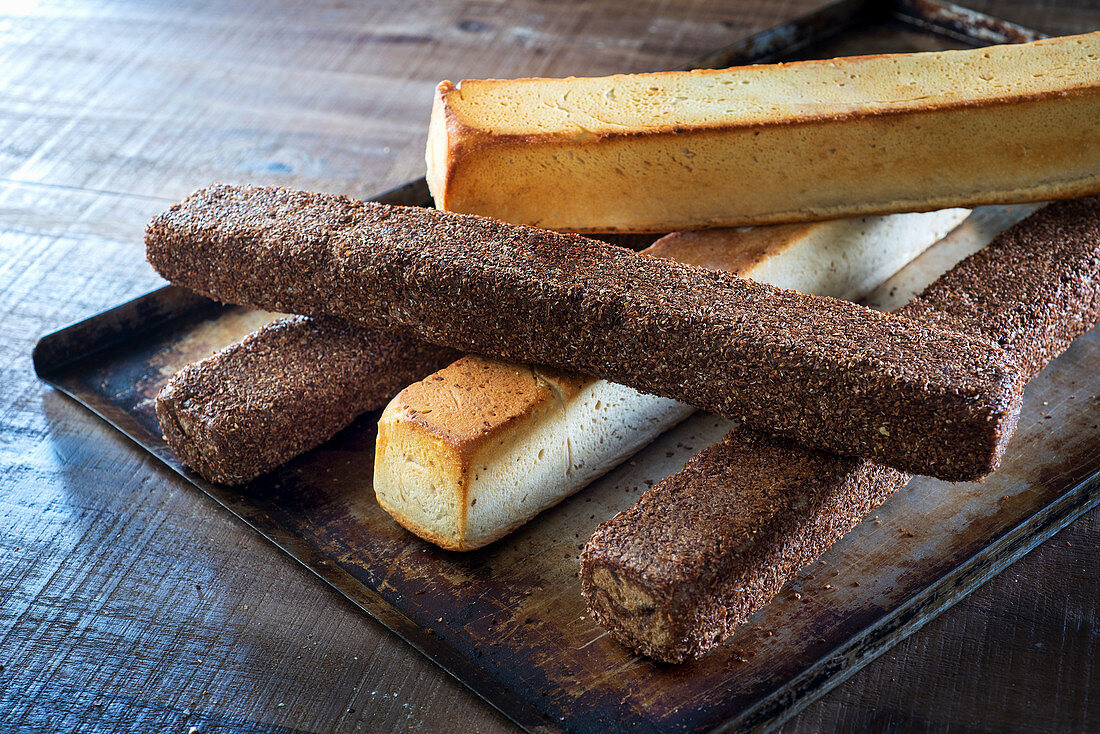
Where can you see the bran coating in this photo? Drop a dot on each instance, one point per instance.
(706, 548)
(827, 373)
(283, 390)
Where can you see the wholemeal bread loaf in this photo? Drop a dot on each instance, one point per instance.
(709, 546)
(470, 453)
(825, 372)
(704, 549)
(773, 143)
(282, 390)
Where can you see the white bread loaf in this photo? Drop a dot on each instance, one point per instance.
(774, 143)
(477, 449)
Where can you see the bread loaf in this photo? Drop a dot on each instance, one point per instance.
(707, 547)
(283, 390)
(825, 372)
(470, 453)
(773, 143)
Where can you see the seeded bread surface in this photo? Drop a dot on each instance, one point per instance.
(1032, 291)
(283, 390)
(706, 548)
(827, 373)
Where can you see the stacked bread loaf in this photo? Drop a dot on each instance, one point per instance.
(826, 372)
(773, 143)
(837, 403)
(478, 448)
(707, 547)
(283, 390)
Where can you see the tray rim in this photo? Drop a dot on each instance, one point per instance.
(829, 671)
(835, 666)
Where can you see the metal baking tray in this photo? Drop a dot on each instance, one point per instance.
(508, 620)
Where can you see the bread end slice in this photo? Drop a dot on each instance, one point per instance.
(461, 465)
(438, 154)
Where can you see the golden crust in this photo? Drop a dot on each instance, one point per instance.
(456, 405)
(843, 88)
(911, 134)
(710, 248)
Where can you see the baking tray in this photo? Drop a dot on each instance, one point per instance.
(508, 620)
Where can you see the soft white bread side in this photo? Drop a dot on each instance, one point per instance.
(843, 258)
(773, 143)
(474, 451)
(477, 449)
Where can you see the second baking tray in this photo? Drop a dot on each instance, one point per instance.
(508, 620)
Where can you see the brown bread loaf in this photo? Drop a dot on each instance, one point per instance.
(824, 372)
(283, 390)
(469, 453)
(709, 546)
(1032, 291)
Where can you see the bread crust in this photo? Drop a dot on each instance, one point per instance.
(711, 148)
(825, 372)
(709, 546)
(1032, 292)
(704, 549)
(435, 438)
(481, 427)
(283, 390)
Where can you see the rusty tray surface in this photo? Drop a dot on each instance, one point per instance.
(508, 620)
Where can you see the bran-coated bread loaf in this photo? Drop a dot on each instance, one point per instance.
(471, 452)
(825, 372)
(704, 549)
(283, 390)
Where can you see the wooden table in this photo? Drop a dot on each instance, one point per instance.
(129, 601)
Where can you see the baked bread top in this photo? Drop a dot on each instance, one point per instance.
(578, 107)
(768, 144)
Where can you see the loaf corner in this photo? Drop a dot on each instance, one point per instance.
(419, 478)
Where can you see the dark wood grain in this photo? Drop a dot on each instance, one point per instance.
(130, 602)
